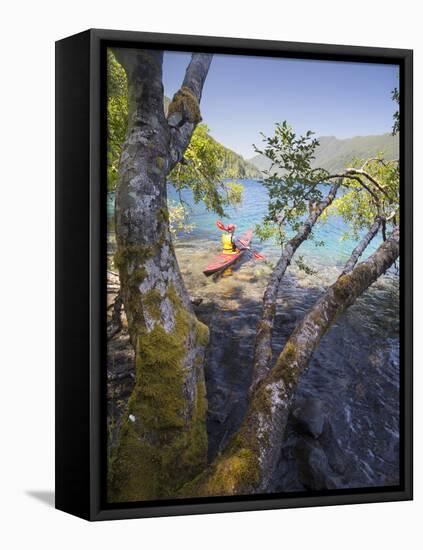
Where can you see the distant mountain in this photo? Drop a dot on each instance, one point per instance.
(335, 154)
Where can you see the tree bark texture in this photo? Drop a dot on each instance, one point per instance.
(362, 245)
(163, 440)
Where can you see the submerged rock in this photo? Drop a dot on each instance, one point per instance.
(310, 417)
(313, 466)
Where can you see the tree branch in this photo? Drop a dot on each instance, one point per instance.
(144, 71)
(381, 161)
(184, 110)
(369, 177)
(362, 245)
(263, 349)
(196, 73)
(360, 181)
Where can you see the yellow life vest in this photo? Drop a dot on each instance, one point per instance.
(227, 244)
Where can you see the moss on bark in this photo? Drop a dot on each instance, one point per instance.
(162, 442)
(185, 103)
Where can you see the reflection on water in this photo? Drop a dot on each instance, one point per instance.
(344, 429)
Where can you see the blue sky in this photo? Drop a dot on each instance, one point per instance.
(245, 95)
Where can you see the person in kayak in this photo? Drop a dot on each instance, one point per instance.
(228, 238)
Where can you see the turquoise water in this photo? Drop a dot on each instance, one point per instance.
(251, 212)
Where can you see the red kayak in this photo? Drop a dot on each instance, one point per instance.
(224, 261)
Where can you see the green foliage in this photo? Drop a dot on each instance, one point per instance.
(396, 126)
(117, 116)
(236, 167)
(203, 171)
(293, 186)
(268, 230)
(178, 218)
(304, 267)
(233, 192)
(358, 208)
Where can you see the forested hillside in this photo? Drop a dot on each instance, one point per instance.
(237, 166)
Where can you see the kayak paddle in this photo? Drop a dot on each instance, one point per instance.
(256, 255)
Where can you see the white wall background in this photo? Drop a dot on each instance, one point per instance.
(29, 29)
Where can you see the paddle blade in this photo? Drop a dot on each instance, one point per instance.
(258, 256)
(220, 225)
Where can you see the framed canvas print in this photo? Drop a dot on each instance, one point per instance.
(234, 274)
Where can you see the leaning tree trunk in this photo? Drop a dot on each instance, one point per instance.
(163, 439)
(263, 343)
(362, 245)
(249, 460)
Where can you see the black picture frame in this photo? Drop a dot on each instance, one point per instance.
(80, 269)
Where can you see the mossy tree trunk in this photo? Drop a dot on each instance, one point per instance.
(248, 462)
(163, 440)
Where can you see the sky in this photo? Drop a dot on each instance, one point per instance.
(246, 95)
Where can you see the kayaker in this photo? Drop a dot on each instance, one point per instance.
(233, 251)
(228, 239)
